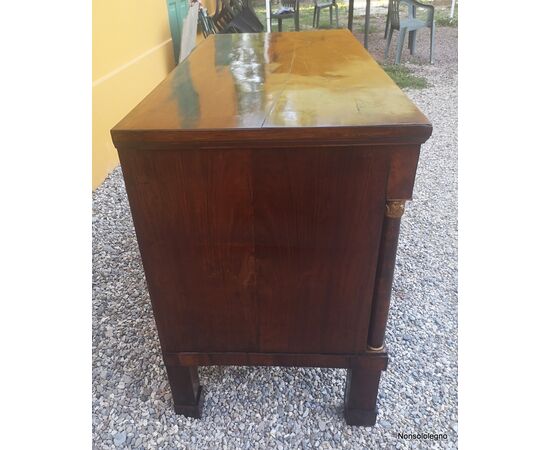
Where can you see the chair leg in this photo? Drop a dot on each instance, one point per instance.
(412, 42)
(402, 34)
(432, 43)
(388, 42)
(336, 8)
(330, 12)
(314, 15)
(280, 22)
(387, 25)
(318, 16)
(296, 22)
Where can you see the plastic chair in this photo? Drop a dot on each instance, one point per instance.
(246, 10)
(318, 6)
(409, 24)
(290, 9)
(235, 18)
(205, 22)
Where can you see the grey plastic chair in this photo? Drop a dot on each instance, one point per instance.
(318, 6)
(408, 24)
(289, 9)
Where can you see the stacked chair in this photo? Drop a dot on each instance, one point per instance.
(231, 16)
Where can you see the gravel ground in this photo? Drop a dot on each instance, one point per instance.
(290, 408)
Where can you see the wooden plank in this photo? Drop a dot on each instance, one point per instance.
(374, 361)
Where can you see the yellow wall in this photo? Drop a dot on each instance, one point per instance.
(210, 5)
(132, 52)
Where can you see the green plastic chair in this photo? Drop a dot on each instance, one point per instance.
(289, 9)
(318, 6)
(409, 24)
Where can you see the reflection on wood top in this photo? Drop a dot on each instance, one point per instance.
(311, 80)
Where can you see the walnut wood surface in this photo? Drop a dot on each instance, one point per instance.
(384, 279)
(324, 82)
(186, 391)
(369, 360)
(258, 174)
(259, 251)
(360, 396)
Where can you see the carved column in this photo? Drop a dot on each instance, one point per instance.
(384, 276)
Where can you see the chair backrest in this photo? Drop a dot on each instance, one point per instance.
(237, 5)
(393, 11)
(410, 8)
(222, 20)
(206, 23)
(290, 3)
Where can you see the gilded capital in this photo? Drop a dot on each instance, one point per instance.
(395, 208)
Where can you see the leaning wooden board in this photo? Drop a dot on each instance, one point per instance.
(267, 175)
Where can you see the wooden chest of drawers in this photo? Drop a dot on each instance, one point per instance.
(267, 175)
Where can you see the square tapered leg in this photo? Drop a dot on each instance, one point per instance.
(186, 391)
(360, 397)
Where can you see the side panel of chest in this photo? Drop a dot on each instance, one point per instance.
(317, 221)
(265, 250)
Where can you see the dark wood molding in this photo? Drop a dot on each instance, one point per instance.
(269, 137)
(371, 360)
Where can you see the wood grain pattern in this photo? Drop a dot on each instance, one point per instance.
(258, 175)
(258, 82)
(275, 249)
(360, 396)
(186, 391)
(317, 223)
(384, 279)
(193, 217)
(368, 360)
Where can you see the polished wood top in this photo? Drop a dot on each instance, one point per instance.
(266, 81)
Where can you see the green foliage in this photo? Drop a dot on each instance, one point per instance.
(404, 78)
(442, 18)
(446, 21)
